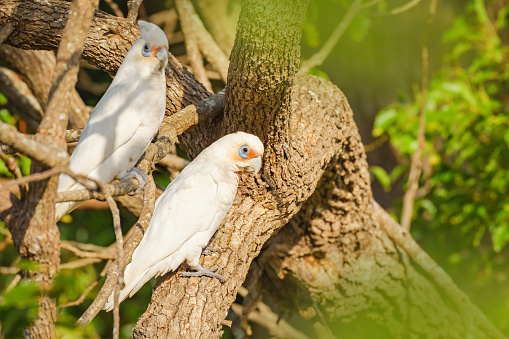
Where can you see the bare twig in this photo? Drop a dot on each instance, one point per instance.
(120, 263)
(370, 4)
(86, 247)
(104, 253)
(87, 290)
(405, 7)
(114, 7)
(82, 179)
(130, 246)
(6, 31)
(12, 165)
(319, 57)
(132, 9)
(9, 270)
(14, 282)
(193, 25)
(192, 49)
(82, 296)
(79, 263)
(417, 161)
(86, 83)
(168, 19)
(5, 232)
(401, 237)
(173, 164)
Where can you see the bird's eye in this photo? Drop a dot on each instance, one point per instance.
(147, 50)
(244, 151)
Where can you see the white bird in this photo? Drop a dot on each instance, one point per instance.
(125, 120)
(190, 210)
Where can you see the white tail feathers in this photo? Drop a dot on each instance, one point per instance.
(132, 286)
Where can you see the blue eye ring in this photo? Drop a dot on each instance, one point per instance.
(244, 151)
(146, 51)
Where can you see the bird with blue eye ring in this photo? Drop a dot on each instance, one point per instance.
(147, 50)
(244, 151)
(125, 120)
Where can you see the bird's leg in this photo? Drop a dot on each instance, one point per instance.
(209, 249)
(140, 176)
(202, 271)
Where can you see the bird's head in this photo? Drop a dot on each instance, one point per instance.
(241, 151)
(151, 48)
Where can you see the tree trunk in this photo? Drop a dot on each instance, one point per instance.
(335, 258)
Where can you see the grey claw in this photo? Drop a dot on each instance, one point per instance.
(202, 271)
(209, 250)
(139, 175)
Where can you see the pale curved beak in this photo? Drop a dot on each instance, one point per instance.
(162, 56)
(257, 162)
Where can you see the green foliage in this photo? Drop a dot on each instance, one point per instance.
(359, 28)
(467, 134)
(381, 175)
(19, 308)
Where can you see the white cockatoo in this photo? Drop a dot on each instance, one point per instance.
(190, 210)
(126, 118)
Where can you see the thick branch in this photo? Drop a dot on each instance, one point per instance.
(343, 256)
(36, 68)
(37, 237)
(9, 209)
(40, 25)
(267, 43)
(474, 317)
(49, 155)
(5, 31)
(71, 135)
(20, 99)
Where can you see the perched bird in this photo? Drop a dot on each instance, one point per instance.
(125, 120)
(190, 211)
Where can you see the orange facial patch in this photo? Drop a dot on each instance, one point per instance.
(253, 154)
(155, 50)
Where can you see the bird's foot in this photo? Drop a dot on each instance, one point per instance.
(202, 271)
(139, 175)
(209, 249)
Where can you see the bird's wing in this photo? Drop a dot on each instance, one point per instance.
(113, 122)
(185, 208)
(188, 206)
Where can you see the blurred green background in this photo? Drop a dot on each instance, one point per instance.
(461, 213)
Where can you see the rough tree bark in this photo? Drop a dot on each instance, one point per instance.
(37, 69)
(334, 256)
(35, 235)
